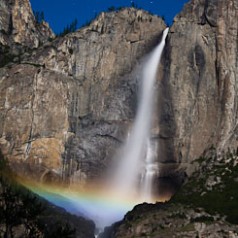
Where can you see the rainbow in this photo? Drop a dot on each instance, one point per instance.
(102, 205)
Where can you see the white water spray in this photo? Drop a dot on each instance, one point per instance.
(137, 150)
(151, 168)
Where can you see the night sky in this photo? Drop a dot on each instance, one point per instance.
(59, 13)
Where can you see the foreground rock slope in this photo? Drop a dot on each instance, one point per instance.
(205, 206)
(24, 214)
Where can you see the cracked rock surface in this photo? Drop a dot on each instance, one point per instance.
(72, 100)
(18, 25)
(198, 98)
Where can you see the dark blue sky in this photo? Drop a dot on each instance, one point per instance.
(59, 13)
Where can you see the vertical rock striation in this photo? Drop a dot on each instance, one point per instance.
(198, 106)
(18, 25)
(19, 31)
(79, 97)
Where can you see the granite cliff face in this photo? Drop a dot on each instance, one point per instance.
(67, 105)
(18, 25)
(19, 30)
(198, 99)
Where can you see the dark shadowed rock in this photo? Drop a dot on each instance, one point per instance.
(204, 207)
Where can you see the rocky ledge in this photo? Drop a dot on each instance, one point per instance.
(205, 206)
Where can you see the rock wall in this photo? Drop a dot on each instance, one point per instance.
(18, 25)
(198, 103)
(34, 118)
(19, 31)
(72, 100)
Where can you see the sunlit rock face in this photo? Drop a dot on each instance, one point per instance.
(68, 105)
(34, 118)
(18, 25)
(198, 98)
(19, 31)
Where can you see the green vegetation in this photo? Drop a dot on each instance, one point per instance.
(6, 56)
(133, 4)
(13, 54)
(204, 219)
(113, 8)
(39, 16)
(72, 27)
(87, 23)
(178, 215)
(220, 195)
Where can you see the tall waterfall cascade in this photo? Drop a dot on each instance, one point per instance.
(137, 153)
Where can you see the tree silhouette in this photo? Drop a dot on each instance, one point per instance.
(39, 16)
(111, 9)
(72, 27)
(133, 4)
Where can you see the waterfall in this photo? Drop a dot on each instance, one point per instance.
(138, 159)
(151, 168)
(136, 154)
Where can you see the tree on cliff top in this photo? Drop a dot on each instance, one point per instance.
(72, 27)
(39, 16)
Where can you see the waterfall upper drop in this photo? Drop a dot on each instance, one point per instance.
(136, 154)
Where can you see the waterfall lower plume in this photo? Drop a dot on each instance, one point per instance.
(150, 169)
(135, 155)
